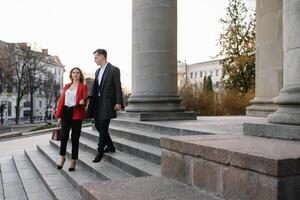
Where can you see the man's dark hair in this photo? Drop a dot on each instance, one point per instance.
(101, 52)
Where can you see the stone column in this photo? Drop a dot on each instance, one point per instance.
(269, 57)
(289, 97)
(154, 57)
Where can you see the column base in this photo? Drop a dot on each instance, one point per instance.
(261, 108)
(159, 116)
(154, 104)
(278, 131)
(288, 111)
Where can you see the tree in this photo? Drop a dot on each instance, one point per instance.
(238, 48)
(16, 59)
(6, 72)
(204, 86)
(34, 73)
(49, 88)
(209, 84)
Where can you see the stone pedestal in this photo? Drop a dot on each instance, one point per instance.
(289, 97)
(269, 57)
(234, 167)
(154, 58)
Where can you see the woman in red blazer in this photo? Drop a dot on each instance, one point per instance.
(70, 113)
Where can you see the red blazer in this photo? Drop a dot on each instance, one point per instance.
(79, 111)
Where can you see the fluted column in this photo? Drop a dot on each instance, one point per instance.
(289, 97)
(154, 57)
(269, 57)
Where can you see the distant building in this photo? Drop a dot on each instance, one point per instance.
(195, 73)
(8, 97)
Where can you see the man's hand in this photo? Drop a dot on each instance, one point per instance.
(118, 107)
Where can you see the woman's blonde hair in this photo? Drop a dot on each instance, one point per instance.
(81, 79)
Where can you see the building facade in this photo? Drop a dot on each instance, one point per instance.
(195, 73)
(9, 98)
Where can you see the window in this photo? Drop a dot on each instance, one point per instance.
(55, 71)
(195, 75)
(9, 111)
(41, 104)
(7, 107)
(9, 88)
(191, 74)
(26, 104)
(58, 71)
(217, 72)
(201, 74)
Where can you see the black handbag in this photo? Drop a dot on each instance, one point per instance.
(56, 133)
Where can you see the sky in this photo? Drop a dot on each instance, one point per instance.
(74, 29)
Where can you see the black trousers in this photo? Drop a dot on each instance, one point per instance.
(68, 123)
(104, 137)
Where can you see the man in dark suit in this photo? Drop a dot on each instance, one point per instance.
(105, 100)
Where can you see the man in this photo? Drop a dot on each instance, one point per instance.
(105, 100)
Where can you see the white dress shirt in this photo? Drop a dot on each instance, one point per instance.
(100, 75)
(70, 97)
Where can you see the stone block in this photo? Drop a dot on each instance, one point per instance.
(289, 188)
(248, 185)
(205, 175)
(267, 156)
(173, 165)
(174, 145)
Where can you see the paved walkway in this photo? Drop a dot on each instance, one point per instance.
(216, 125)
(17, 145)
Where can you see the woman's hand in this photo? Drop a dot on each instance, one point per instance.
(81, 102)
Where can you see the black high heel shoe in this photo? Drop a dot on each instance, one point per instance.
(61, 166)
(72, 168)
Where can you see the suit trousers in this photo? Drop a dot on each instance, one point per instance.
(104, 137)
(68, 123)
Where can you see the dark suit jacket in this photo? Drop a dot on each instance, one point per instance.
(102, 107)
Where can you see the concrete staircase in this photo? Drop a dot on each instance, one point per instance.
(135, 164)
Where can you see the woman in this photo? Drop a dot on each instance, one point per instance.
(70, 113)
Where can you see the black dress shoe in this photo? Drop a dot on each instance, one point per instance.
(61, 166)
(98, 157)
(109, 150)
(72, 168)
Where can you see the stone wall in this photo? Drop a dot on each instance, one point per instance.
(234, 167)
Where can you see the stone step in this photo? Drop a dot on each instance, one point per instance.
(145, 188)
(155, 128)
(76, 178)
(129, 163)
(56, 183)
(32, 184)
(12, 185)
(144, 151)
(103, 170)
(132, 134)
